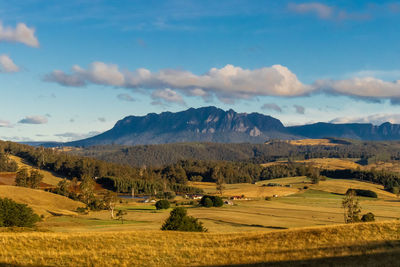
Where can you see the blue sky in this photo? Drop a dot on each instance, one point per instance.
(69, 69)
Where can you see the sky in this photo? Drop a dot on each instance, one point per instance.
(72, 69)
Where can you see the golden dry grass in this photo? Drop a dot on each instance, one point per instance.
(332, 163)
(48, 177)
(340, 186)
(246, 189)
(324, 163)
(312, 142)
(384, 166)
(156, 248)
(43, 203)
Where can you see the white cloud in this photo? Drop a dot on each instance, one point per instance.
(34, 120)
(321, 10)
(367, 88)
(98, 73)
(168, 96)
(326, 12)
(271, 106)
(20, 34)
(7, 64)
(376, 119)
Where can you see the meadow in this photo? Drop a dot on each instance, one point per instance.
(301, 225)
(358, 244)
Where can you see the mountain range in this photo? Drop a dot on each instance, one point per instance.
(211, 124)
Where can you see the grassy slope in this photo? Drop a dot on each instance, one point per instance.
(49, 177)
(156, 248)
(40, 201)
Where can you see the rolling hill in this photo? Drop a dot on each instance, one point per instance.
(43, 203)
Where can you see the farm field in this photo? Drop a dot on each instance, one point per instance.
(300, 208)
(375, 244)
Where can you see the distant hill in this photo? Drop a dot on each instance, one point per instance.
(359, 131)
(211, 124)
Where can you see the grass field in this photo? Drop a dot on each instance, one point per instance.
(311, 207)
(375, 244)
(43, 203)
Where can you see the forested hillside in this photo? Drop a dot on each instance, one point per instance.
(158, 155)
(235, 168)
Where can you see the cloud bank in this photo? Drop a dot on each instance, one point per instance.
(20, 34)
(228, 83)
(376, 119)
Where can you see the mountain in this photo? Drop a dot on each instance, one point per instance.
(211, 124)
(359, 131)
(207, 124)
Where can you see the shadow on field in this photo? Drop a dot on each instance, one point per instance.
(377, 259)
(381, 253)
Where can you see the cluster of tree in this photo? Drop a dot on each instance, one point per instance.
(389, 180)
(363, 193)
(211, 201)
(165, 154)
(7, 164)
(26, 178)
(352, 209)
(16, 214)
(162, 204)
(180, 221)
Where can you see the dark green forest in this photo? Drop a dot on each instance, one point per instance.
(153, 179)
(159, 155)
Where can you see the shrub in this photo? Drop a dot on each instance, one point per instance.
(363, 193)
(179, 221)
(16, 214)
(216, 201)
(368, 217)
(162, 204)
(268, 198)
